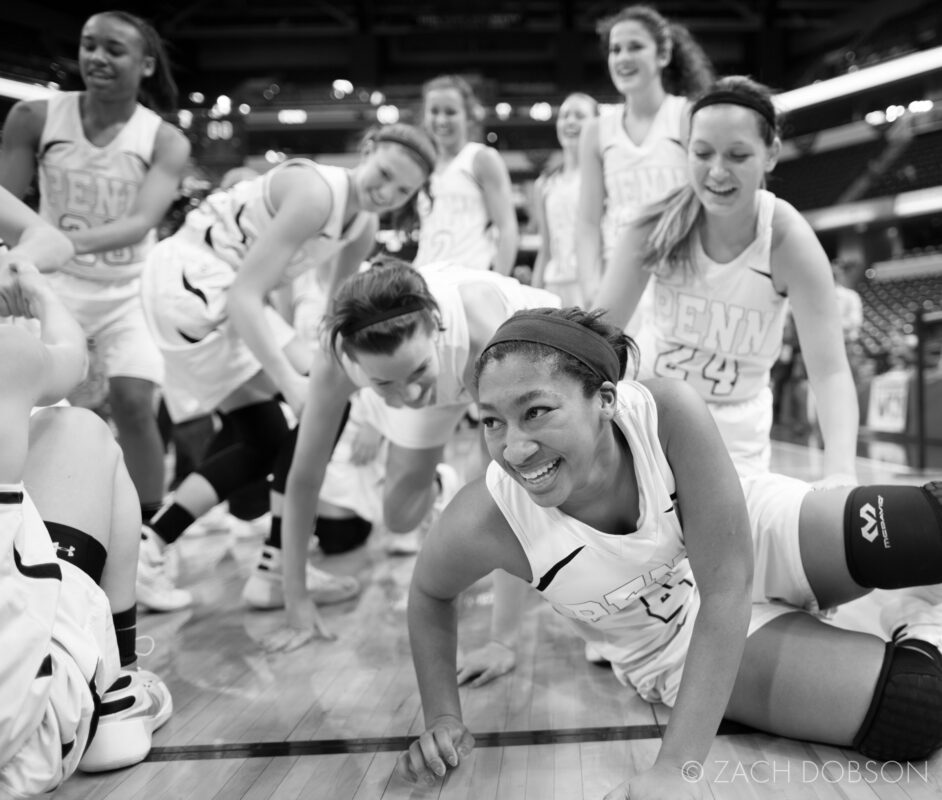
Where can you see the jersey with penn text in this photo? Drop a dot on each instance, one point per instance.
(637, 175)
(630, 594)
(721, 329)
(82, 185)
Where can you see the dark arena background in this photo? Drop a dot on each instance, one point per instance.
(261, 82)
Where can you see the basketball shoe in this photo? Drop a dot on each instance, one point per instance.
(134, 706)
(265, 589)
(155, 589)
(911, 616)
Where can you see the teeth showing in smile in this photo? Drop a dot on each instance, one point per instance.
(542, 472)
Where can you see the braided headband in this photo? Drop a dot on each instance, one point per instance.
(735, 99)
(564, 335)
(382, 316)
(402, 141)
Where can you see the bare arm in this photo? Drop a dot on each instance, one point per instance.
(21, 133)
(498, 655)
(30, 237)
(328, 390)
(25, 293)
(302, 207)
(470, 540)
(625, 279)
(539, 212)
(719, 547)
(171, 150)
(800, 263)
(492, 174)
(591, 209)
(353, 255)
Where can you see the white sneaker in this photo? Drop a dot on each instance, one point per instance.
(243, 529)
(594, 656)
(216, 520)
(408, 543)
(155, 589)
(135, 706)
(265, 589)
(912, 617)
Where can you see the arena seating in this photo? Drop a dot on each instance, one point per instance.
(817, 180)
(918, 166)
(891, 306)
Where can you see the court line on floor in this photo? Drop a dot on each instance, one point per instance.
(320, 747)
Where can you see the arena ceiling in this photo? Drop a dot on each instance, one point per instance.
(524, 47)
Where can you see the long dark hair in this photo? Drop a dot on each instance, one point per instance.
(159, 90)
(390, 283)
(563, 363)
(689, 70)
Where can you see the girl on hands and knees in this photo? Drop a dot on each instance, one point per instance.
(702, 585)
(407, 339)
(207, 297)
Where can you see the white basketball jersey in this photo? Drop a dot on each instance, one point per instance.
(83, 186)
(230, 222)
(637, 175)
(561, 204)
(633, 594)
(721, 330)
(455, 225)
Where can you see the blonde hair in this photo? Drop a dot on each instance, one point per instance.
(673, 219)
(669, 241)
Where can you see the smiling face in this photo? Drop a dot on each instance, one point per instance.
(728, 158)
(388, 178)
(407, 377)
(543, 431)
(634, 62)
(111, 57)
(573, 113)
(446, 117)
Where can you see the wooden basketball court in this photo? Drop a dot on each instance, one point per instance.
(327, 721)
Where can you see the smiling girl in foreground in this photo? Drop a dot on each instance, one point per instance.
(618, 502)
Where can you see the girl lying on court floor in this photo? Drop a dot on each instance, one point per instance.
(618, 502)
(70, 520)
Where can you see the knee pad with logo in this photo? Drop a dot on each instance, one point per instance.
(893, 535)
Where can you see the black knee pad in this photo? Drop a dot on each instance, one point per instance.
(78, 548)
(904, 721)
(893, 535)
(282, 466)
(261, 426)
(234, 468)
(250, 502)
(341, 535)
(255, 434)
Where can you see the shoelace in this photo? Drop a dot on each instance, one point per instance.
(145, 638)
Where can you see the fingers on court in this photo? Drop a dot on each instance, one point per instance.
(466, 674)
(484, 678)
(286, 640)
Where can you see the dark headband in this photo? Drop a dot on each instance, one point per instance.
(381, 316)
(402, 141)
(736, 99)
(578, 341)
